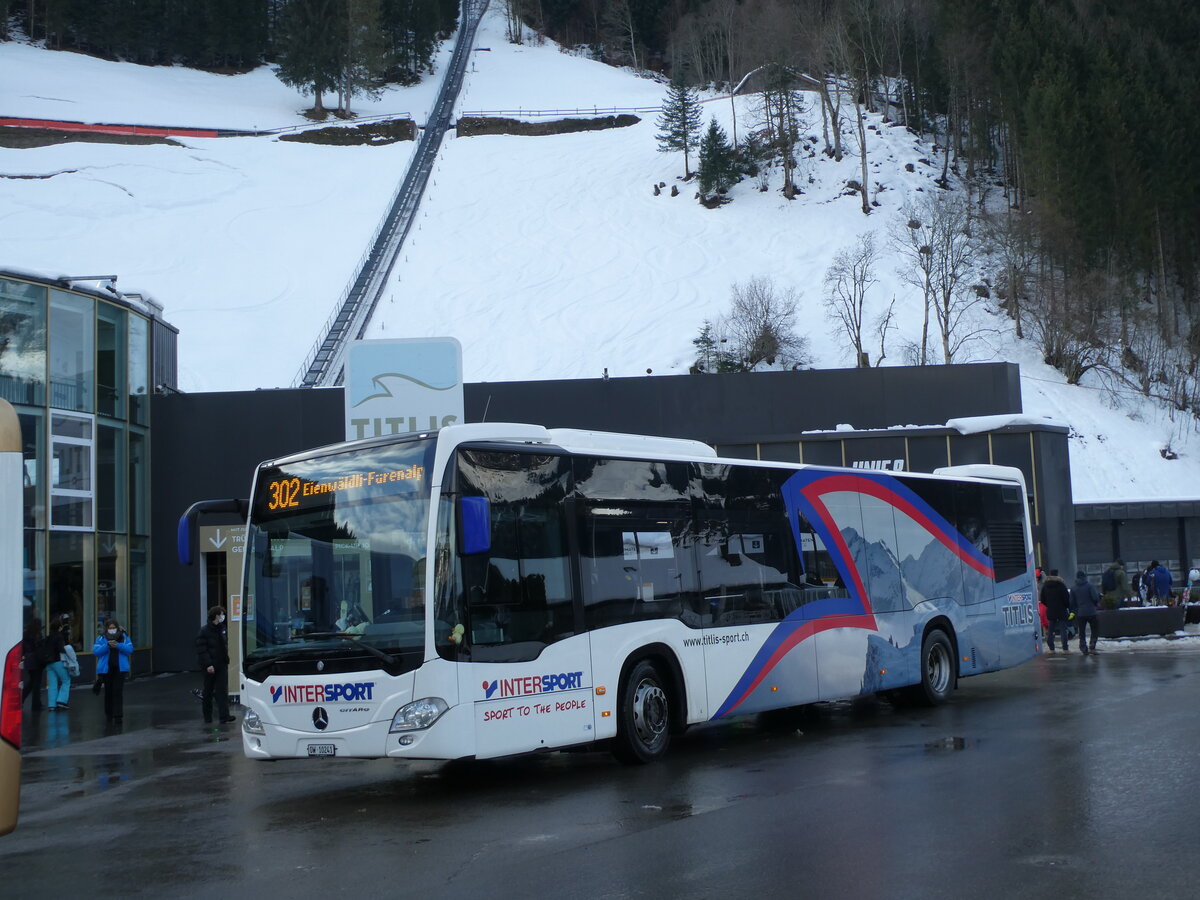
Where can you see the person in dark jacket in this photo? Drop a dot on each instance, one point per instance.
(1057, 599)
(1119, 593)
(1085, 600)
(1149, 584)
(212, 649)
(31, 661)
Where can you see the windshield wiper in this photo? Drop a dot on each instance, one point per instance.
(256, 667)
(347, 638)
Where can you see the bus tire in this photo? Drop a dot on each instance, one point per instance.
(939, 675)
(644, 716)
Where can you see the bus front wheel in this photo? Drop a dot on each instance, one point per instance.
(644, 723)
(938, 672)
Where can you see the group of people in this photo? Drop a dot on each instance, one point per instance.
(52, 654)
(1080, 603)
(1151, 586)
(1062, 605)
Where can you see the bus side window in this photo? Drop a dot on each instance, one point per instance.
(748, 559)
(636, 536)
(821, 578)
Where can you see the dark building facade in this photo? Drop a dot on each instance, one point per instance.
(207, 445)
(1139, 533)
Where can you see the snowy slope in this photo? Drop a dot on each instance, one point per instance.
(546, 257)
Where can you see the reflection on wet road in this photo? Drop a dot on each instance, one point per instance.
(1067, 777)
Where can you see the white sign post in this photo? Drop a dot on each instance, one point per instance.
(400, 386)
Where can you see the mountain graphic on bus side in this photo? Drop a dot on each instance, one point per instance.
(834, 505)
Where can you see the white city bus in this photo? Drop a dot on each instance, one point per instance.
(495, 589)
(11, 567)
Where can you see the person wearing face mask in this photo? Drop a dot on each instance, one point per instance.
(212, 648)
(113, 649)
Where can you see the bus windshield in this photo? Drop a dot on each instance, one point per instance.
(334, 577)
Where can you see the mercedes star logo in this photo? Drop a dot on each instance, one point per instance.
(320, 718)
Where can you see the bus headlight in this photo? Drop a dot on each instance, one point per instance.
(252, 723)
(418, 715)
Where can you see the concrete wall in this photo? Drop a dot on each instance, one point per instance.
(1139, 532)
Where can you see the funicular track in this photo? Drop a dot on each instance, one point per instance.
(352, 314)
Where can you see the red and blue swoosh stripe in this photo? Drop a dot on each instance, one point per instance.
(804, 495)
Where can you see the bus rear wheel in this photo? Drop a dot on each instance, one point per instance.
(938, 672)
(644, 716)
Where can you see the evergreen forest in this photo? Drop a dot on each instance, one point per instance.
(399, 37)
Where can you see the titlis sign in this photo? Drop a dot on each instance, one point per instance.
(401, 386)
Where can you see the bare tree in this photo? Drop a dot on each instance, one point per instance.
(847, 281)
(513, 27)
(1010, 237)
(696, 46)
(760, 328)
(821, 29)
(781, 108)
(883, 324)
(1066, 316)
(850, 45)
(618, 17)
(936, 241)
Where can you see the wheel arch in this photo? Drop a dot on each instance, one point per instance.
(942, 623)
(668, 664)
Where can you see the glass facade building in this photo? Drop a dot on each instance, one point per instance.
(79, 365)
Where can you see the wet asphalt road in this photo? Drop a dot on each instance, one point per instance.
(1069, 777)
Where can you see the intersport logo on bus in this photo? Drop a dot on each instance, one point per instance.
(322, 693)
(532, 684)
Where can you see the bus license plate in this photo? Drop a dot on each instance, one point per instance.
(322, 749)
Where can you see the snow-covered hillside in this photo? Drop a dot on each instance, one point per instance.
(547, 257)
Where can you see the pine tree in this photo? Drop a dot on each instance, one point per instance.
(364, 56)
(308, 57)
(412, 29)
(680, 122)
(716, 171)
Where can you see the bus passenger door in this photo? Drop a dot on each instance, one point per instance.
(638, 576)
(528, 672)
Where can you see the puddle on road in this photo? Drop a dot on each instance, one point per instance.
(949, 743)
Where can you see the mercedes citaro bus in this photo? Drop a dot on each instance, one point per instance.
(495, 589)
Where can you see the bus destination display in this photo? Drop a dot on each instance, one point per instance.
(296, 492)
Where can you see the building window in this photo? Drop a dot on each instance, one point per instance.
(139, 623)
(112, 583)
(72, 350)
(111, 472)
(34, 565)
(72, 472)
(33, 442)
(71, 578)
(111, 351)
(139, 482)
(22, 343)
(139, 370)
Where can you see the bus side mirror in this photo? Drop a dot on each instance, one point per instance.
(475, 516)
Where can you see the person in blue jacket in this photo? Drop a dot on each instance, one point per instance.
(113, 649)
(1162, 582)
